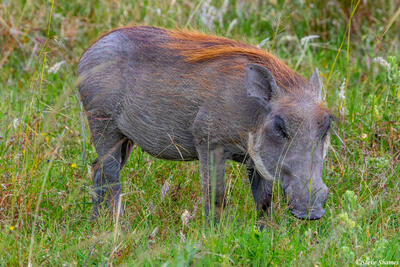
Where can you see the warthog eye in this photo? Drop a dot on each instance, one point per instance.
(280, 127)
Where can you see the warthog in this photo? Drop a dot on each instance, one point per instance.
(182, 95)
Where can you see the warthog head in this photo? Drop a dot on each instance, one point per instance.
(290, 140)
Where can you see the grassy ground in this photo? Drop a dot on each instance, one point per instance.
(45, 203)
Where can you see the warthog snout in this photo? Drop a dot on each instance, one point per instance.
(313, 215)
(307, 205)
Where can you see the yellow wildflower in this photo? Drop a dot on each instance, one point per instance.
(73, 165)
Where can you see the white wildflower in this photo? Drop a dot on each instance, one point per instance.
(263, 42)
(185, 217)
(182, 236)
(305, 40)
(14, 31)
(381, 61)
(164, 190)
(17, 156)
(341, 90)
(210, 14)
(56, 67)
(15, 123)
(288, 38)
(305, 43)
(231, 25)
(153, 234)
(371, 202)
(90, 171)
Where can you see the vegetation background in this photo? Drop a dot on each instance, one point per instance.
(45, 203)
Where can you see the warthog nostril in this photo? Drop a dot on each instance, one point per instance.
(315, 215)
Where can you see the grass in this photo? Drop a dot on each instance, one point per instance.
(45, 203)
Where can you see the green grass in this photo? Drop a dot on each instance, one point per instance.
(45, 186)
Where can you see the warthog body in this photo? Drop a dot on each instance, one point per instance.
(185, 96)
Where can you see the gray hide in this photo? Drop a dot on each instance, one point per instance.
(137, 91)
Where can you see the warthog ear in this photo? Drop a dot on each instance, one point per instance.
(260, 83)
(314, 84)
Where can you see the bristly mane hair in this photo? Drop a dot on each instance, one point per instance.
(199, 47)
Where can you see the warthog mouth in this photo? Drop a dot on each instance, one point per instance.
(314, 215)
